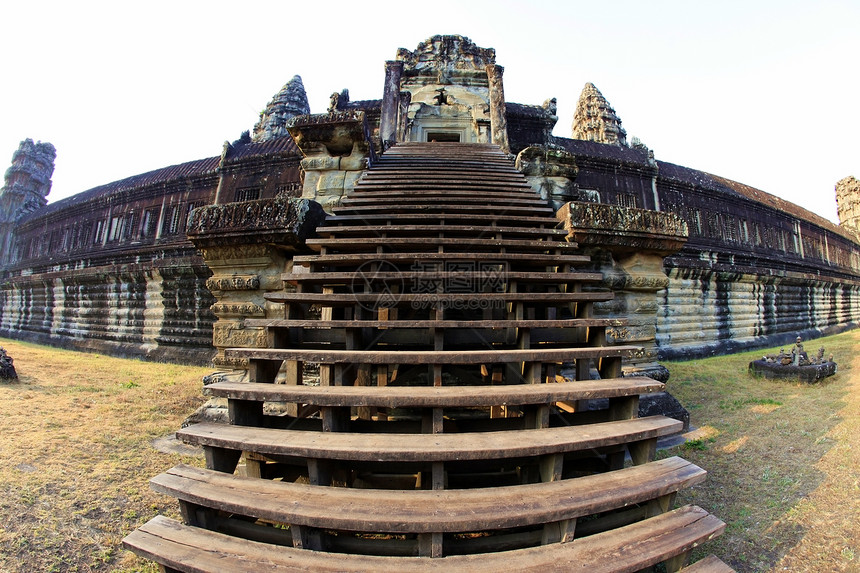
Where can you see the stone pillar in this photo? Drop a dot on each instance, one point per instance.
(848, 203)
(552, 173)
(248, 246)
(498, 121)
(390, 104)
(337, 148)
(403, 118)
(628, 246)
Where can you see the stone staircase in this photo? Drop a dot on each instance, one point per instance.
(469, 415)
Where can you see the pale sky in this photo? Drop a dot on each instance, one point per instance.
(765, 93)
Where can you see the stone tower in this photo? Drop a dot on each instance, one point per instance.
(289, 102)
(848, 203)
(595, 120)
(26, 188)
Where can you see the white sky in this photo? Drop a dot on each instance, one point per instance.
(765, 93)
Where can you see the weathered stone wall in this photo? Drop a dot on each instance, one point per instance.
(705, 312)
(111, 269)
(140, 311)
(755, 271)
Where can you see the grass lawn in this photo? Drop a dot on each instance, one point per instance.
(783, 458)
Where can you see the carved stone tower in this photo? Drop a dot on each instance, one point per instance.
(595, 120)
(848, 203)
(448, 89)
(289, 102)
(26, 188)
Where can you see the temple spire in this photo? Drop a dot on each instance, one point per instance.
(595, 120)
(289, 102)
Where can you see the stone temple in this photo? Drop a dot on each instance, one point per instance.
(700, 264)
(434, 265)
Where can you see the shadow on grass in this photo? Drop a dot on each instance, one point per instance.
(760, 441)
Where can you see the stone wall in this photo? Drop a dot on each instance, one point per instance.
(755, 271)
(111, 269)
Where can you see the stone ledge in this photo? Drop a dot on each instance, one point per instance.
(622, 229)
(283, 221)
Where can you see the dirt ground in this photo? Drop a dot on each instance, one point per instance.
(783, 458)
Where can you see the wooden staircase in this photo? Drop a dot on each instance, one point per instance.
(469, 415)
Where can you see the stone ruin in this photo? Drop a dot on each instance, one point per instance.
(797, 365)
(7, 369)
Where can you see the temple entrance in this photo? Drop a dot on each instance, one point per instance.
(443, 136)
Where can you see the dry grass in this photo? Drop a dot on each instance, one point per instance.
(782, 458)
(76, 455)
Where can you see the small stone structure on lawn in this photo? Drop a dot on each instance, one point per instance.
(795, 364)
(7, 369)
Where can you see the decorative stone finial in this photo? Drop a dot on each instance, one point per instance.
(289, 102)
(595, 120)
(848, 203)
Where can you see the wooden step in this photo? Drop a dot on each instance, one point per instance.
(710, 564)
(393, 243)
(443, 324)
(426, 448)
(441, 208)
(393, 299)
(425, 511)
(436, 396)
(488, 356)
(476, 231)
(423, 195)
(479, 275)
(531, 259)
(500, 217)
(630, 548)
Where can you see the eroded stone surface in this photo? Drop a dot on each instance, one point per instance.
(287, 103)
(595, 120)
(7, 368)
(848, 203)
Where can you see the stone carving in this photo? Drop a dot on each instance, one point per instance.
(796, 365)
(447, 55)
(234, 282)
(7, 369)
(595, 120)
(289, 219)
(240, 309)
(551, 171)
(287, 103)
(26, 188)
(336, 148)
(848, 203)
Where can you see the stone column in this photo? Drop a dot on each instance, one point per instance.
(498, 121)
(628, 246)
(248, 246)
(336, 149)
(390, 104)
(552, 173)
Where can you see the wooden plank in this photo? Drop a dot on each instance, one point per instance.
(478, 274)
(485, 243)
(428, 447)
(423, 324)
(488, 356)
(478, 230)
(629, 548)
(427, 511)
(438, 397)
(710, 564)
(425, 257)
(431, 298)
